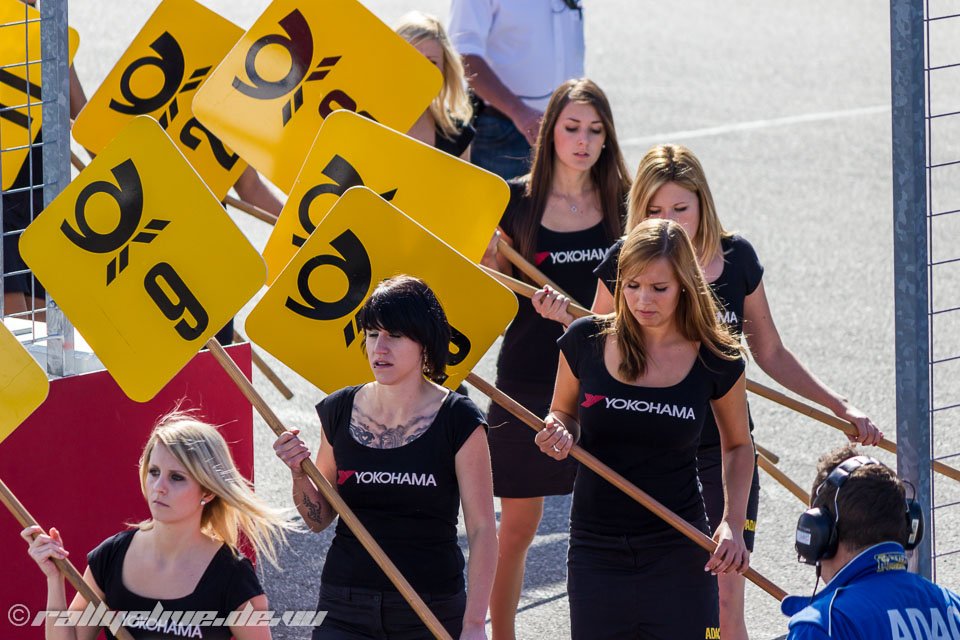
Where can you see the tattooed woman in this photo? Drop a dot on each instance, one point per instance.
(405, 454)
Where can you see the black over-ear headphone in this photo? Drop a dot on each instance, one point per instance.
(817, 537)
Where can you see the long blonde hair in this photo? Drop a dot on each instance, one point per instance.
(696, 313)
(675, 163)
(453, 102)
(235, 509)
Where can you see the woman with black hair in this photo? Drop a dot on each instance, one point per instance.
(405, 454)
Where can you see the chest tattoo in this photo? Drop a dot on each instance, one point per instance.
(370, 433)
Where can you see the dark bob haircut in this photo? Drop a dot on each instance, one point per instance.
(407, 306)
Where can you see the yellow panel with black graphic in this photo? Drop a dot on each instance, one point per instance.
(20, 70)
(300, 62)
(158, 75)
(23, 384)
(142, 258)
(458, 202)
(307, 318)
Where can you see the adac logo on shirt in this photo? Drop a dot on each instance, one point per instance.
(891, 562)
(640, 406)
(387, 477)
(572, 256)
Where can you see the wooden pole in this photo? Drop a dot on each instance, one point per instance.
(770, 455)
(330, 495)
(66, 567)
(531, 271)
(617, 480)
(835, 422)
(265, 368)
(767, 465)
(253, 210)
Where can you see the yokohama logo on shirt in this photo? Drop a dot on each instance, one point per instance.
(640, 406)
(388, 477)
(569, 257)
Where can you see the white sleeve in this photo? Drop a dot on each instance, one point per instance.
(470, 22)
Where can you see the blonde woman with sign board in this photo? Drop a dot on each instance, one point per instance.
(405, 454)
(446, 122)
(562, 217)
(185, 557)
(641, 382)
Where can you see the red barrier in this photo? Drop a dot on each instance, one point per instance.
(73, 464)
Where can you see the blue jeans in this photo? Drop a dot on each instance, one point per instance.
(498, 147)
(356, 614)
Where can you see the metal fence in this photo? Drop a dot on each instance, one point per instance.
(942, 162)
(35, 82)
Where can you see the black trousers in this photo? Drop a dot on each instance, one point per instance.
(356, 614)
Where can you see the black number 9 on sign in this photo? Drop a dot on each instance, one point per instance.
(175, 300)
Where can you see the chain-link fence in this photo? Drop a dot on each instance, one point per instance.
(35, 155)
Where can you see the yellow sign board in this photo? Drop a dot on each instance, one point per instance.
(307, 318)
(300, 62)
(23, 384)
(458, 202)
(20, 73)
(142, 258)
(158, 75)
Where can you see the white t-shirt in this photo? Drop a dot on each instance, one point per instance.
(532, 45)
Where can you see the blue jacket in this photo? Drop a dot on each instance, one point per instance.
(874, 597)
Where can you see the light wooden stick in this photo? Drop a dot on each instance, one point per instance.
(253, 210)
(770, 455)
(66, 567)
(835, 422)
(767, 465)
(331, 496)
(526, 290)
(617, 480)
(531, 271)
(265, 368)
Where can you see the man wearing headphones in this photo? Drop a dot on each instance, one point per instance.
(857, 533)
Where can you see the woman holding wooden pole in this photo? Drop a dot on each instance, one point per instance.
(642, 382)
(404, 454)
(562, 216)
(184, 558)
(671, 183)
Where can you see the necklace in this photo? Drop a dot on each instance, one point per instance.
(571, 203)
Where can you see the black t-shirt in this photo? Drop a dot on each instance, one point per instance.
(227, 583)
(649, 435)
(408, 498)
(456, 145)
(529, 351)
(741, 275)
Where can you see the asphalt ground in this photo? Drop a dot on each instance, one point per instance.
(788, 107)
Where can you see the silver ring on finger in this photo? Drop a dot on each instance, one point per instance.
(555, 448)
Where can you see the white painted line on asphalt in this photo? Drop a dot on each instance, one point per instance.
(676, 136)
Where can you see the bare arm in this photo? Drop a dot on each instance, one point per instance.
(736, 446)
(252, 189)
(561, 428)
(476, 495)
(492, 257)
(43, 548)
(261, 632)
(487, 85)
(783, 366)
(313, 507)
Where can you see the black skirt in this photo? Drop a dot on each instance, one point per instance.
(520, 469)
